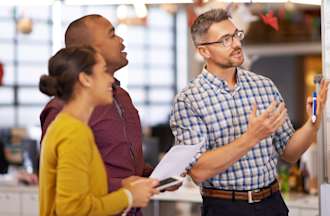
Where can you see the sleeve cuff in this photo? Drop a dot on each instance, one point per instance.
(130, 201)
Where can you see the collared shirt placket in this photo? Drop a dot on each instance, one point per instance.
(122, 116)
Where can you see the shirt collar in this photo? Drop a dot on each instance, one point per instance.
(116, 83)
(222, 84)
(115, 86)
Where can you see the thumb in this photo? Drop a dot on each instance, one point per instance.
(154, 182)
(309, 101)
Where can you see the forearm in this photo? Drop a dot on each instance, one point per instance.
(218, 160)
(87, 204)
(300, 142)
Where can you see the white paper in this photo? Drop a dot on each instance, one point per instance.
(175, 161)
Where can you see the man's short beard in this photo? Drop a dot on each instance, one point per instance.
(229, 65)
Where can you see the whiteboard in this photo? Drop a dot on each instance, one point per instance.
(325, 150)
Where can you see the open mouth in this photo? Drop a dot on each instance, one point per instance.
(237, 53)
(123, 50)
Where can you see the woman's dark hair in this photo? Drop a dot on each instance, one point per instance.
(64, 68)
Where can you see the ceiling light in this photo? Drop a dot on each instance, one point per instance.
(140, 9)
(122, 11)
(269, 1)
(235, 1)
(26, 2)
(115, 2)
(167, 1)
(310, 2)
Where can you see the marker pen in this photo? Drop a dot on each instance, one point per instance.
(314, 107)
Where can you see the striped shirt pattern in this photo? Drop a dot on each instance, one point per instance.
(208, 112)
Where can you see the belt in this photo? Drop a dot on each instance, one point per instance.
(250, 196)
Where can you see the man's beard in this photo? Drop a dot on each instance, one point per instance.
(229, 63)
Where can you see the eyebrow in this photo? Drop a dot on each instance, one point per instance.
(111, 30)
(226, 35)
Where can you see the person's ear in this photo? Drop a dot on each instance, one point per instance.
(84, 79)
(204, 52)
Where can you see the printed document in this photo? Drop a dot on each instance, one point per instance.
(175, 161)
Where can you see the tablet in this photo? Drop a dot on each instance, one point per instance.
(168, 182)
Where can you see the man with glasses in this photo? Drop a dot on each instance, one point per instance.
(241, 119)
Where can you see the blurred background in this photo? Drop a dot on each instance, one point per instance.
(283, 42)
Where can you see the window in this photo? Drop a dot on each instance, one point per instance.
(24, 57)
(150, 77)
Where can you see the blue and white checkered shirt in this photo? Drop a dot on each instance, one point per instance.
(208, 111)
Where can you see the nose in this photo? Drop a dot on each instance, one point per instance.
(120, 39)
(236, 43)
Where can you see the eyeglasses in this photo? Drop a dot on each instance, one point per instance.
(227, 40)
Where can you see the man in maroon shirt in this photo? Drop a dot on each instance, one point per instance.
(116, 127)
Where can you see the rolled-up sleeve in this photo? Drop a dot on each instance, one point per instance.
(188, 127)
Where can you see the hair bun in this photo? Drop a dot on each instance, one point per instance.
(48, 85)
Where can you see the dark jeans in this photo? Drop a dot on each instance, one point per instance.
(272, 206)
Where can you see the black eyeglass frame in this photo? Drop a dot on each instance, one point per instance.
(236, 34)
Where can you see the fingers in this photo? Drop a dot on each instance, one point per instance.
(269, 121)
(143, 189)
(278, 122)
(322, 96)
(266, 113)
(154, 182)
(324, 90)
(183, 174)
(309, 101)
(276, 113)
(154, 191)
(148, 184)
(130, 179)
(254, 111)
(150, 190)
(277, 117)
(269, 111)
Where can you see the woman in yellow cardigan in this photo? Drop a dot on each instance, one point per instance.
(73, 179)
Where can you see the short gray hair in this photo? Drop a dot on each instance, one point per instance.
(203, 22)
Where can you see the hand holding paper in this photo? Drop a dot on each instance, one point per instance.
(175, 161)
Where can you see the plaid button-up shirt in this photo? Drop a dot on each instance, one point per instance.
(208, 112)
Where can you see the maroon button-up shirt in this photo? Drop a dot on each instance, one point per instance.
(118, 135)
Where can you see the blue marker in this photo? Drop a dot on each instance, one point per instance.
(314, 107)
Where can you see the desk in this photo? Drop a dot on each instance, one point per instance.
(298, 204)
(18, 200)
